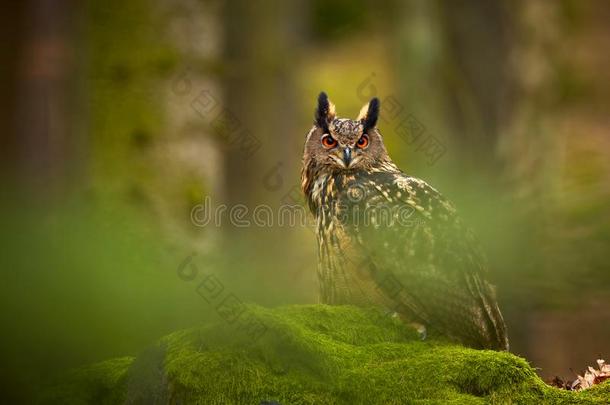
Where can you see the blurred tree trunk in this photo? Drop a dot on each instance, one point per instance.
(453, 59)
(261, 167)
(13, 26)
(478, 40)
(37, 150)
(419, 59)
(260, 49)
(40, 133)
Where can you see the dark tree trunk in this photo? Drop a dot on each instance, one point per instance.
(40, 133)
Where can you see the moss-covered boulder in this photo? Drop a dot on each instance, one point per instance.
(312, 354)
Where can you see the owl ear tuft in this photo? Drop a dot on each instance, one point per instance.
(325, 112)
(369, 114)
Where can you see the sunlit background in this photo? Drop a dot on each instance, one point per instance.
(120, 117)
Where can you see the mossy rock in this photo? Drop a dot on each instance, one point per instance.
(312, 354)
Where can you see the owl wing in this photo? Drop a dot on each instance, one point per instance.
(423, 257)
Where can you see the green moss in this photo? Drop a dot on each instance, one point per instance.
(337, 355)
(101, 383)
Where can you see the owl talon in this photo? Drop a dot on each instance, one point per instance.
(393, 314)
(421, 330)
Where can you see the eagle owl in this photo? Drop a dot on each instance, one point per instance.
(391, 240)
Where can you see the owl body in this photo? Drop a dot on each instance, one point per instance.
(391, 240)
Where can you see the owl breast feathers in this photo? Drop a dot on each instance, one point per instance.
(391, 240)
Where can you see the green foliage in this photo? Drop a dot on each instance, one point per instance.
(323, 354)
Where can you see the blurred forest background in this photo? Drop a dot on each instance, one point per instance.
(119, 117)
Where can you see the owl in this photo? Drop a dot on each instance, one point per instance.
(390, 240)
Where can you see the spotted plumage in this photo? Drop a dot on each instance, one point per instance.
(391, 240)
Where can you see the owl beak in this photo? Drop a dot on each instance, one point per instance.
(347, 156)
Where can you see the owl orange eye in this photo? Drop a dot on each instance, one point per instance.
(363, 142)
(328, 141)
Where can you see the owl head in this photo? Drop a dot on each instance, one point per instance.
(342, 144)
